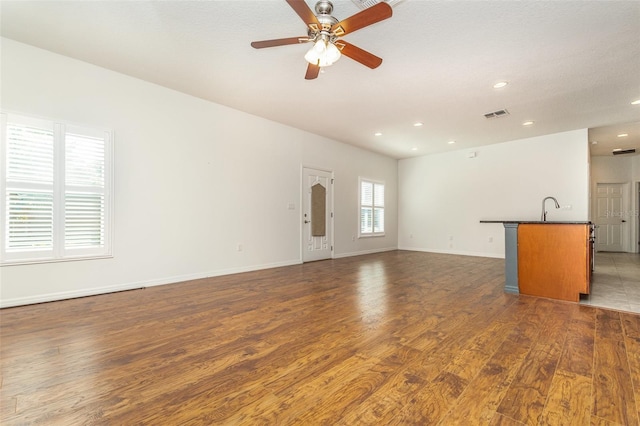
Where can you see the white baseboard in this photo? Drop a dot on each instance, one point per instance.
(360, 253)
(456, 252)
(51, 297)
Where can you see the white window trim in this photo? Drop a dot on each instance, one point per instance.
(369, 234)
(59, 253)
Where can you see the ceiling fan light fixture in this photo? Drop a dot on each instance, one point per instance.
(317, 50)
(332, 53)
(323, 53)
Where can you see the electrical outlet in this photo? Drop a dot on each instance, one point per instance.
(239, 247)
(490, 239)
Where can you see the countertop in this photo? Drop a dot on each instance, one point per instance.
(548, 222)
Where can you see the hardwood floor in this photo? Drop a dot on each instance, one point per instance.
(396, 338)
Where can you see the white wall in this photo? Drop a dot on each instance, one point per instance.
(443, 197)
(193, 179)
(635, 168)
(611, 169)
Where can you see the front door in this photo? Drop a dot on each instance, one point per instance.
(609, 218)
(317, 214)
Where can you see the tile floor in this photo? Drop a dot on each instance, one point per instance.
(616, 282)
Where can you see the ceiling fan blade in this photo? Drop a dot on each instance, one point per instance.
(377, 13)
(304, 12)
(359, 55)
(312, 72)
(278, 42)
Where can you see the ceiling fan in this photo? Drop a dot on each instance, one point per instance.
(324, 31)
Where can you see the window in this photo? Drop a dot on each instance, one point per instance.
(371, 208)
(55, 184)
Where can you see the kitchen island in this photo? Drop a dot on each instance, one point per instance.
(547, 258)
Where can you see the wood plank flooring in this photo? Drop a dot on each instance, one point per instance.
(395, 338)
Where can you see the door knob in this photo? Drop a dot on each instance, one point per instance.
(623, 221)
(307, 221)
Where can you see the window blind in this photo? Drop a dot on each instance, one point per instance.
(56, 190)
(371, 208)
(29, 154)
(29, 220)
(84, 183)
(84, 160)
(83, 220)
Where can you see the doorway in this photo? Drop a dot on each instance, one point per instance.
(317, 214)
(610, 220)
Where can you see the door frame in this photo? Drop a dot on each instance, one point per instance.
(635, 212)
(301, 236)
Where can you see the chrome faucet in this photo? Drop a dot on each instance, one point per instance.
(544, 212)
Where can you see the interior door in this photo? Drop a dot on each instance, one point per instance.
(609, 219)
(317, 214)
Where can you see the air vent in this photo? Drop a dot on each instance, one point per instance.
(496, 114)
(365, 4)
(623, 151)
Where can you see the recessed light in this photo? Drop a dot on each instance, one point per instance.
(527, 123)
(636, 102)
(418, 124)
(378, 133)
(500, 84)
(594, 142)
(623, 135)
(414, 149)
(451, 142)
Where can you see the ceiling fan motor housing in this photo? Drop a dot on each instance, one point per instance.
(324, 7)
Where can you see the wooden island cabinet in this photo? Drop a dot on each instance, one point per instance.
(554, 260)
(548, 259)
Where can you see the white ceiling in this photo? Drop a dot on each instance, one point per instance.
(569, 64)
